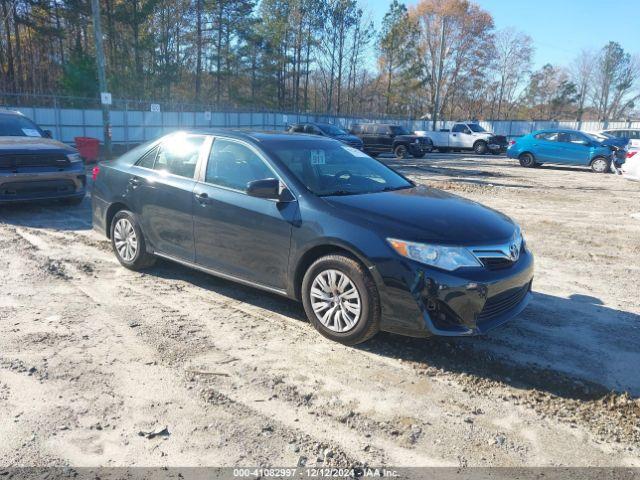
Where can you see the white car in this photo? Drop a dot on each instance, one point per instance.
(632, 134)
(631, 166)
(466, 136)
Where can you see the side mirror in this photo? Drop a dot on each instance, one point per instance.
(467, 131)
(267, 188)
(47, 134)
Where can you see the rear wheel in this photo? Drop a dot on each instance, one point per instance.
(600, 165)
(401, 151)
(527, 160)
(128, 242)
(341, 299)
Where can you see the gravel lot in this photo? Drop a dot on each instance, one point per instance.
(103, 366)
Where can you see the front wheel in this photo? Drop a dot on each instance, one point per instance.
(128, 242)
(341, 299)
(600, 165)
(400, 151)
(480, 148)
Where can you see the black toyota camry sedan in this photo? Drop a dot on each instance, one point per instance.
(362, 247)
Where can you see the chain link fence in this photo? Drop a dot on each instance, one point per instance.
(134, 121)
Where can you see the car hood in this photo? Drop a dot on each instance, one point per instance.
(21, 144)
(426, 214)
(348, 138)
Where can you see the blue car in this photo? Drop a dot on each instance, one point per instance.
(567, 147)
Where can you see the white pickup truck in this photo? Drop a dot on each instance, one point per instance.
(466, 136)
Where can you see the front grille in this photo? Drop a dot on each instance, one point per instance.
(502, 303)
(18, 160)
(37, 187)
(497, 263)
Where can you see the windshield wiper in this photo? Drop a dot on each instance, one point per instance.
(391, 189)
(339, 193)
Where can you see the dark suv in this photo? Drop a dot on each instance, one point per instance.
(35, 167)
(327, 130)
(387, 138)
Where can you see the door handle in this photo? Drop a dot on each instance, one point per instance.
(202, 198)
(135, 182)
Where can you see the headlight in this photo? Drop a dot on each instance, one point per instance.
(446, 258)
(74, 157)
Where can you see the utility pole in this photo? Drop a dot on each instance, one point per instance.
(436, 106)
(102, 77)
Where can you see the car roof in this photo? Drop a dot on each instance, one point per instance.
(6, 111)
(379, 124)
(255, 136)
(560, 130)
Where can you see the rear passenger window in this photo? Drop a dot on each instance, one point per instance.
(148, 159)
(382, 130)
(548, 136)
(234, 165)
(178, 155)
(575, 138)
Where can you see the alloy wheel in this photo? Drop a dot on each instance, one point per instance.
(600, 165)
(401, 151)
(335, 300)
(125, 239)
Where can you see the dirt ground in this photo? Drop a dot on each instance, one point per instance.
(100, 366)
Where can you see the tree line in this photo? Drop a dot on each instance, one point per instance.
(439, 58)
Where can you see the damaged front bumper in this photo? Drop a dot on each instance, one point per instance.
(423, 301)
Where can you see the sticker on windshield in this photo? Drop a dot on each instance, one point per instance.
(31, 132)
(317, 157)
(355, 152)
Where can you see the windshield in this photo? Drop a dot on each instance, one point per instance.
(398, 130)
(474, 127)
(332, 130)
(17, 126)
(329, 168)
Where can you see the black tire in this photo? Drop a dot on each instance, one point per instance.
(527, 160)
(368, 323)
(401, 151)
(443, 149)
(601, 165)
(141, 259)
(72, 201)
(480, 147)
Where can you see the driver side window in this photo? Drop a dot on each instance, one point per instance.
(459, 128)
(233, 165)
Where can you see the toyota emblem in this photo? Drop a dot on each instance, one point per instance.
(514, 251)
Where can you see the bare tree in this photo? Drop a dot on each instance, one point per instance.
(512, 64)
(455, 39)
(582, 72)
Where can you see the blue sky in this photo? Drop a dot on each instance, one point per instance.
(559, 28)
